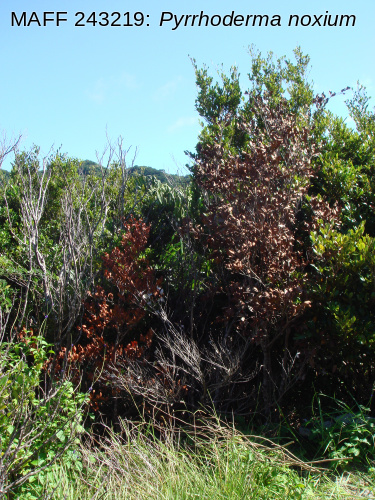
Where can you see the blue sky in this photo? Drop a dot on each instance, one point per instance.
(70, 87)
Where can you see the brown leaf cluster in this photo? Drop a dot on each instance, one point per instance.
(110, 318)
(251, 228)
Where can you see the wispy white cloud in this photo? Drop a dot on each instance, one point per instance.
(127, 80)
(102, 88)
(167, 90)
(97, 92)
(182, 122)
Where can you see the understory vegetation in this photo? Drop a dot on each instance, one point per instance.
(205, 336)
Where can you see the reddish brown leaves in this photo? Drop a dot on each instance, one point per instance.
(250, 223)
(110, 318)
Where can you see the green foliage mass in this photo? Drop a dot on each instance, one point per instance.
(37, 425)
(224, 105)
(347, 163)
(342, 433)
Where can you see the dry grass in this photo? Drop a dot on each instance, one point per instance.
(205, 461)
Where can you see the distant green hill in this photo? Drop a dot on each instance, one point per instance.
(90, 167)
(4, 175)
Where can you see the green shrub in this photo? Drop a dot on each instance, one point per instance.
(341, 433)
(342, 285)
(39, 422)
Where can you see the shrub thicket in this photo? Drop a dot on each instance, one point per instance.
(249, 288)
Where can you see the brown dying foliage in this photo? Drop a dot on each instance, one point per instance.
(108, 329)
(250, 225)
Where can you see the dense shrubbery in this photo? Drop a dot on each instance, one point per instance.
(249, 289)
(40, 422)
